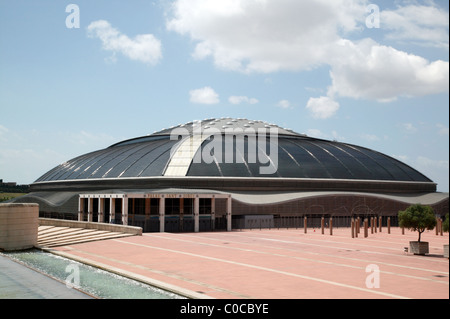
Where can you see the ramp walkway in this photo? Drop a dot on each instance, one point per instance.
(55, 232)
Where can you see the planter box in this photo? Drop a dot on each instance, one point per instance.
(418, 248)
(446, 251)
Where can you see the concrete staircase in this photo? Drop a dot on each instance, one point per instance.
(52, 233)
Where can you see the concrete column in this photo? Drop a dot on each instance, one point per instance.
(375, 224)
(331, 226)
(181, 215)
(196, 215)
(147, 208)
(389, 224)
(133, 208)
(101, 210)
(125, 210)
(380, 223)
(112, 210)
(162, 214)
(353, 228)
(371, 225)
(90, 209)
(213, 213)
(322, 225)
(305, 226)
(80, 209)
(229, 218)
(438, 226)
(366, 228)
(356, 227)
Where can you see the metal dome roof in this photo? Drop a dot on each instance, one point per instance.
(173, 152)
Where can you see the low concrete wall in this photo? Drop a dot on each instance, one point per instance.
(90, 225)
(18, 226)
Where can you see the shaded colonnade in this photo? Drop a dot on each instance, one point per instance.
(160, 209)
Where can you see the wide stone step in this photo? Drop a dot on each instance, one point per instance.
(52, 236)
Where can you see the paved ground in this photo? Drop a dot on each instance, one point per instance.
(20, 282)
(277, 264)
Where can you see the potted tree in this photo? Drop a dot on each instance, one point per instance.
(418, 218)
(445, 228)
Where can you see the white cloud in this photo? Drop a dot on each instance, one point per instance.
(409, 127)
(368, 70)
(92, 139)
(426, 25)
(435, 169)
(24, 156)
(264, 36)
(313, 132)
(3, 132)
(370, 137)
(204, 95)
(284, 104)
(27, 155)
(144, 47)
(336, 136)
(428, 164)
(443, 130)
(319, 134)
(322, 107)
(242, 99)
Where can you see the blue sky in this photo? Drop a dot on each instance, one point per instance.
(324, 68)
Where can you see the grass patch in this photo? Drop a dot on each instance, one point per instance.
(8, 196)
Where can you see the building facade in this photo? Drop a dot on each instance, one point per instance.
(225, 173)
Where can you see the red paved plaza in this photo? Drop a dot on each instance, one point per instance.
(278, 263)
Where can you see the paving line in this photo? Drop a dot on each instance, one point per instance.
(338, 247)
(378, 240)
(365, 251)
(356, 244)
(315, 260)
(334, 256)
(268, 269)
(409, 235)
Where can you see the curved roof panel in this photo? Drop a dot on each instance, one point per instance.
(233, 148)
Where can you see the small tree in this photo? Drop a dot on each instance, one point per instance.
(445, 224)
(417, 218)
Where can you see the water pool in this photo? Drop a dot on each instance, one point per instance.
(94, 281)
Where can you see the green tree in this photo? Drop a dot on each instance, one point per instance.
(417, 218)
(445, 224)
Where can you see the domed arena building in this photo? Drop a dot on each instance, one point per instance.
(222, 174)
